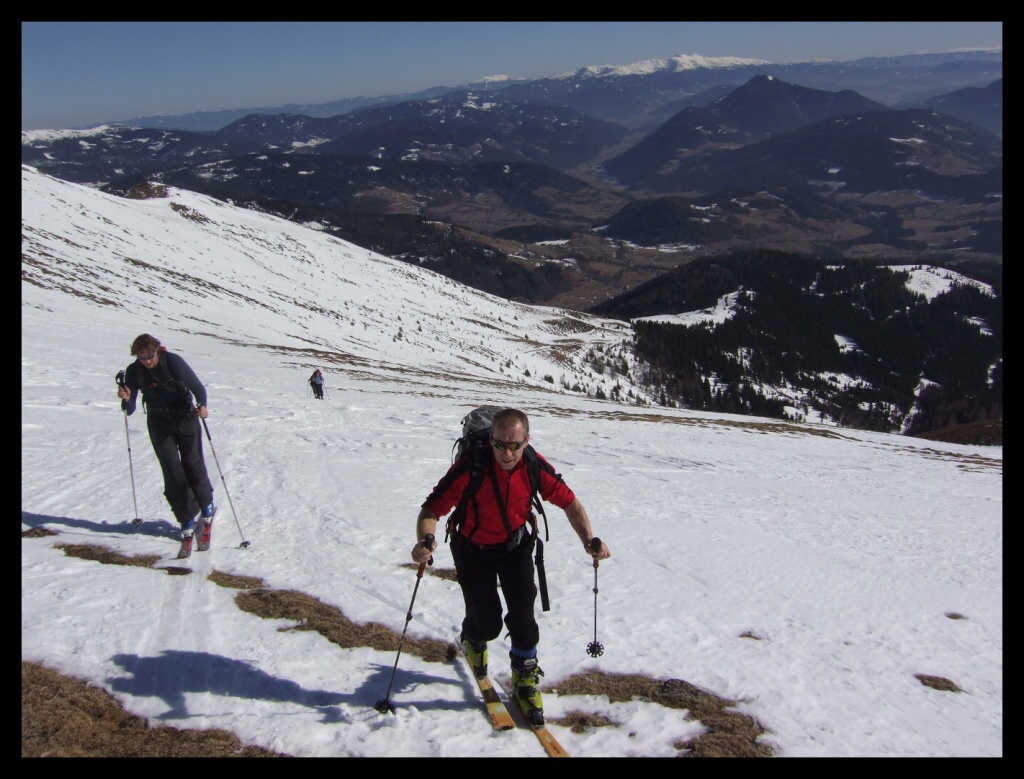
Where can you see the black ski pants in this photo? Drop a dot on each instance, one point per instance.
(179, 448)
(479, 570)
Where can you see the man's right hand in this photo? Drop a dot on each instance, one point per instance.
(421, 553)
(123, 392)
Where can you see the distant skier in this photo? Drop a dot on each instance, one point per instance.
(316, 381)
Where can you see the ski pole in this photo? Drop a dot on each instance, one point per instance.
(138, 520)
(595, 648)
(384, 704)
(244, 544)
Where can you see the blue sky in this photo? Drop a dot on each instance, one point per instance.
(80, 73)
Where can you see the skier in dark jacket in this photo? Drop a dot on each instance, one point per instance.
(168, 385)
(316, 381)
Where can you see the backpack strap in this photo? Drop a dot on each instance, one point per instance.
(499, 501)
(458, 516)
(542, 579)
(153, 380)
(533, 468)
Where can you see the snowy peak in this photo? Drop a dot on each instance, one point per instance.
(647, 67)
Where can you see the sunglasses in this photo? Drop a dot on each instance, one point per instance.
(147, 357)
(501, 446)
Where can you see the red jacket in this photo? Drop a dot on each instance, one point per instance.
(514, 487)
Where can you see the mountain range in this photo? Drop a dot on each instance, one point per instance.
(893, 349)
(544, 203)
(644, 94)
(503, 185)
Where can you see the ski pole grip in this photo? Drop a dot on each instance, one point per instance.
(595, 546)
(428, 543)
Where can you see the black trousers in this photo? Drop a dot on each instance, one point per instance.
(179, 448)
(479, 571)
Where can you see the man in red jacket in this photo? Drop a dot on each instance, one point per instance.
(493, 546)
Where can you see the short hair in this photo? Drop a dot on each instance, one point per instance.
(144, 342)
(509, 416)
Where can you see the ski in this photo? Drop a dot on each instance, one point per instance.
(501, 716)
(186, 548)
(496, 710)
(544, 736)
(549, 742)
(204, 535)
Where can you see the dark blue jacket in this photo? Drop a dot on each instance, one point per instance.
(166, 387)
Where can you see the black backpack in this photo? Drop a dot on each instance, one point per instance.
(171, 391)
(472, 451)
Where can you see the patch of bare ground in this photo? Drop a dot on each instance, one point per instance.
(101, 554)
(38, 532)
(235, 582)
(728, 734)
(938, 683)
(308, 613)
(65, 717)
(448, 574)
(984, 433)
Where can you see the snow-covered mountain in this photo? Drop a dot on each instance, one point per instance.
(647, 67)
(187, 265)
(632, 93)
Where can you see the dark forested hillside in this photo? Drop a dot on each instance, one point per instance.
(853, 341)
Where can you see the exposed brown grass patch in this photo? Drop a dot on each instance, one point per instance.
(308, 613)
(581, 722)
(65, 717)
(984, 433)
(146, 190)
(102, 554)
(235, 582)
(37, 532)
(729, 733)
(938, 683)
(753, 425)
(448, 574)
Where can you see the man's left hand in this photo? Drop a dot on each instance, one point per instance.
(602, 552)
